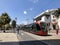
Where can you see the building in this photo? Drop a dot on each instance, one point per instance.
(48, 16)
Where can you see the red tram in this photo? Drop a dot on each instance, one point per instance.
(40, 28)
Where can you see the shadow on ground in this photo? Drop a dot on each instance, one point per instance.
(41, 42)
(35, 42)
(53, 41)
(9, 43)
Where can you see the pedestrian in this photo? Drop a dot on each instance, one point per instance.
(18, 30)
(4, 31)
(57, 29)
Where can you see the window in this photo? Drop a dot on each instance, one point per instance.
(52, 13)
(35, 27)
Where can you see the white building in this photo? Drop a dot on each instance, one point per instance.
(48, 17)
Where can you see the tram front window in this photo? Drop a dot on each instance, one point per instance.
(35, 27)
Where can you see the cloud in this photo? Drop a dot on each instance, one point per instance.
(34, 1)
(25, 12)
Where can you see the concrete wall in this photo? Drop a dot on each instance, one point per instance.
(43, 19)
(47, 19)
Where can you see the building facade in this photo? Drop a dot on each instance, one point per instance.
(49, 17)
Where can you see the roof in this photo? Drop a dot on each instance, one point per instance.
(45, 12)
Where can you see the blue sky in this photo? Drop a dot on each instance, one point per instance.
(26, 10)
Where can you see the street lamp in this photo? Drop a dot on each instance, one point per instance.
(16, 20)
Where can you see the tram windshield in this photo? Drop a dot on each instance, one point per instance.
(36, 27)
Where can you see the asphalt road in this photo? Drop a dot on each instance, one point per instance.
(28, 40)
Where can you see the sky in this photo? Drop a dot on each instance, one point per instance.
(26, 10)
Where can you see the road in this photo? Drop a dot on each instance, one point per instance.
(28, 40)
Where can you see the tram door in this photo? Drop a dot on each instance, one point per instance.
(38, 27)
(43, 26)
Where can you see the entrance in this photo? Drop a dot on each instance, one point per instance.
(54, 27)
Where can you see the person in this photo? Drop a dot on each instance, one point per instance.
(4, 31)
(57, 29)
(18, 30)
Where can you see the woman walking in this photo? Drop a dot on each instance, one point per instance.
(18, 30)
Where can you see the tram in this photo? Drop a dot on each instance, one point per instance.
(39, 28)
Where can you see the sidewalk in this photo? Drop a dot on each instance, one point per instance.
(8, 39)
(50, 40)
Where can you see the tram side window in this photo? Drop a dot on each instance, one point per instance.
(38, 27)
(33, 27)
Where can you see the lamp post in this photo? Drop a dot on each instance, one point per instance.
(16, 20)
(16, 23)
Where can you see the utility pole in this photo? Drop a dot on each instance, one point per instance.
(16, 20)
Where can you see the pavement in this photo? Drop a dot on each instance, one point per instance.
(8, 39)
(51, 39)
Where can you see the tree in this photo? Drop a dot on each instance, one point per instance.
(0, 22)
(5, 18)
(57, 13)
(13, 23)
(8, 26)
